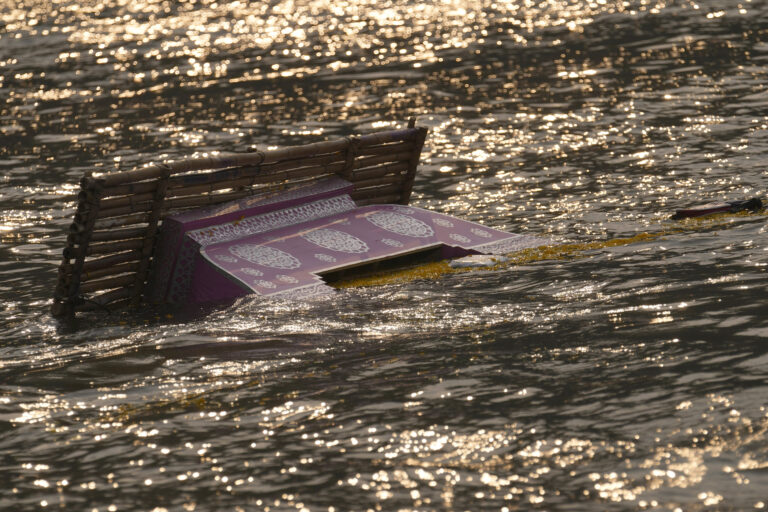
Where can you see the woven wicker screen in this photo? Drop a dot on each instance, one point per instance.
(111, 241)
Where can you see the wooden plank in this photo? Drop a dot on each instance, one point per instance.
(377, 182)
(111, 203)
(375, 192)
(112, 296)
(114, 247)
(387, 149)
(363, 162)
(374, 139)
(107, 283)
(117, 234)
(123, 221)
(380, 170)
(108, 261)
(112, 270)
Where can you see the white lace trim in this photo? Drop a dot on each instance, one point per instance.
(271, 220)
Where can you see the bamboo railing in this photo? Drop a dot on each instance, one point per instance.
(111, 241)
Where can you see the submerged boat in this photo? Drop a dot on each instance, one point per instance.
(281, 223)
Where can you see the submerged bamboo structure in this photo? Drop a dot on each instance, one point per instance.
(111, 241)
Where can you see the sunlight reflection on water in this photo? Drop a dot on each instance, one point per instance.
(607, 375)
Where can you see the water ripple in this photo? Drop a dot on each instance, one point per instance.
(625, 369)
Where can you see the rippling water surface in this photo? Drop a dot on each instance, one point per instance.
(613, 377)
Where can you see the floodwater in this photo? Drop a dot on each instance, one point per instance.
(616, 377)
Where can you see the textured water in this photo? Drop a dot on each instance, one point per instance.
(612, 378)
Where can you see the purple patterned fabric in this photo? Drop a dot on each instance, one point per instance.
(182, 235)
(288, 260)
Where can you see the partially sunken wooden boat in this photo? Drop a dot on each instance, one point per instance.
(274, 223)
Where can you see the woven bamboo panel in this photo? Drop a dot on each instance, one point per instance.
(111, 241)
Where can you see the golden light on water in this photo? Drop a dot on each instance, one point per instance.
(619, 365)
(143, 43)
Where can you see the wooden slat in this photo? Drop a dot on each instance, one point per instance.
(125, 210)
(117, 234)
(129, 189)
(107, 283)
(114, 247)
(108, 261)
(371, 161)
(375, 192)
(378, 171)
(205, 200)
(112, 296)
(377, 182)
(123, 221)
(111, 203)
(374, 139)
(112, 270)
(387, 149)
